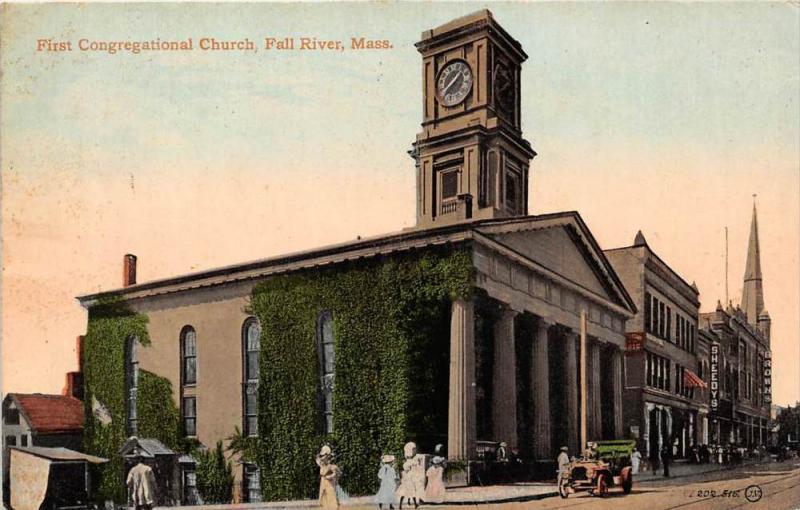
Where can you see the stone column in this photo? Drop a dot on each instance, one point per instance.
(504, 380)
(616, 374)
(595, 419)
(541, 391)
(572, 391)
(461, 427)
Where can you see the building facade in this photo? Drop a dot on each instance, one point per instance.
(504, 339)
(663, 399)
(740, 357)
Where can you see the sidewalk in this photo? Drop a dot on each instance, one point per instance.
(458, 496)
(473, 495)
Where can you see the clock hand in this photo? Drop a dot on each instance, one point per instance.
(447, 87)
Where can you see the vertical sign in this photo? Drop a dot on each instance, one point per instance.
(714, 372)
(767, 377)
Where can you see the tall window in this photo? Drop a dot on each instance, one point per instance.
(132, 382)
(647, 315)
(512, 189)
(251, 482)
(188, 356)
(191, 496)
(190, 416)
(251, 348)
(669, 323)
(327, 355)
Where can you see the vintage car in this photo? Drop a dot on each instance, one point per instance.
(607, 466)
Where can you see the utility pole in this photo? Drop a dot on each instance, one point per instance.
(726, 266)
(583, 382)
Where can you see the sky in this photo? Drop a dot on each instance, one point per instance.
(662, 117)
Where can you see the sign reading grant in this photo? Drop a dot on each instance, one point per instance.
(714, 370)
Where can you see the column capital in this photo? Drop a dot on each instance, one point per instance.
(545, 322)
(507, 310)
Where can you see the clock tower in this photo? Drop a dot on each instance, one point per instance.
(472, 161)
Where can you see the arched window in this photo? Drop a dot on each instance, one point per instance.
(251, 348)
(131, 382)
(188, 356)
(189, 379)
(327, 362)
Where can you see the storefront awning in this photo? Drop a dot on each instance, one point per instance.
(691, 379)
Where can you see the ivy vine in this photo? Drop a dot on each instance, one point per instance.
(391, 322)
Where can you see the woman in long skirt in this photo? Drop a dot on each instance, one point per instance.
(388, 477)
(328, 474)
(435, 490)
(412, 484)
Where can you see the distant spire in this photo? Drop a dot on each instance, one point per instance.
(753, 292)
(639, 239)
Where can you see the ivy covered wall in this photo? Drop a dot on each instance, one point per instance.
(110, 325)
(391, 319)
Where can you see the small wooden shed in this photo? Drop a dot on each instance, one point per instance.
(50, 478)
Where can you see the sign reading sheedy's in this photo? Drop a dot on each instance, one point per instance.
(714, 372)
(767, 377)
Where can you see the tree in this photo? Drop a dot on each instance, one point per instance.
(789, 421)
(214, 475)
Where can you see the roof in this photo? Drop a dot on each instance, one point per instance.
(59, 454)
(50, 414)
(406, 240)
(147, 447)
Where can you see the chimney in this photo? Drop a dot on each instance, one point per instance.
(74, 386)
(79, 351)
(129, 270)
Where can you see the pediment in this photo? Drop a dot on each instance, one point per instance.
(563, 248)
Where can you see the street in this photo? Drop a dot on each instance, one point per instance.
(779, 484)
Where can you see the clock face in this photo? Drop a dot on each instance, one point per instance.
(504, 89)
(454, 83)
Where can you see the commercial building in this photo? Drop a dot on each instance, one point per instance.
(740, 357)
(663, 404)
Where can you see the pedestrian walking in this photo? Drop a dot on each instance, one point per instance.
(636, 460)
(412, 483)
(666, 457)
(328, 479)
(435, 491)
(388, 477)
(141, 484)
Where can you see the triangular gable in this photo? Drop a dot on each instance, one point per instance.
(556, 250)
(563, 244)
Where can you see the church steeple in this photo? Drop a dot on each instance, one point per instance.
(753, 292)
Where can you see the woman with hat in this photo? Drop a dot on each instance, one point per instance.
(388, 477)
(328, 474)
(435, 490)
(412, 484)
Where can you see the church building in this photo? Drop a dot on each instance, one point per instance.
(463, 330)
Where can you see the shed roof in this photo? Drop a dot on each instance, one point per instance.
(148, 447)
(59, 454)
(50, 414)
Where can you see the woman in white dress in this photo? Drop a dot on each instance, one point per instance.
(636, 460)
(412, 483)
(388, 478)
